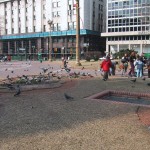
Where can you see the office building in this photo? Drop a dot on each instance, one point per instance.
(33, 26)
(128, 25)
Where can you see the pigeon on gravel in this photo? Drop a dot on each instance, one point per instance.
(68, 98)
(133, 80)
(18, 91)
(10, 86)
(45, 69)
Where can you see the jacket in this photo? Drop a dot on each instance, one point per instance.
(106, 64)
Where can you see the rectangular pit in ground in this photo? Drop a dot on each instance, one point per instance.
(141, 99)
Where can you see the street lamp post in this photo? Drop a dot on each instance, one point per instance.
(50, 22)
(33, 52)
(77, 34)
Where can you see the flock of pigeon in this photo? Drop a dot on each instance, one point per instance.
(46, 75)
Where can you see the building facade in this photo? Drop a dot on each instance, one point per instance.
(31, 26)
(128, 25)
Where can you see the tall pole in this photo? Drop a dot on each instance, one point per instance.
(50, 22)
(77, 34)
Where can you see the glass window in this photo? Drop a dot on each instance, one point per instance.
(139, 28)
(109, 30)
(58, 27)
(54, 4)
(139, 37)
(143, 37)
(116, 29)
(55, 27)
(70, 27)
(135, 28)
(131, 28)
(58, 4)
(131, 37)
(135, 37)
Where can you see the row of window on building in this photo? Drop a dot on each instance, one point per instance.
(129, 38)
(126, 28)
(129, 12)
(129, 21)
(127, 4)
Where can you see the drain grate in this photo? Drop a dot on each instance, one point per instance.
(141, 99)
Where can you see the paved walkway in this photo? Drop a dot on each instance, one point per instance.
(45, 120)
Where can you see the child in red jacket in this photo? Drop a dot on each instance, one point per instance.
(105, 66)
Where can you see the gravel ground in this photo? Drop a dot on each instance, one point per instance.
(45, 120)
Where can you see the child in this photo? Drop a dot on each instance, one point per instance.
(105, 66)
(140, 66)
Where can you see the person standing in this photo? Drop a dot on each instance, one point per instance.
(140, 66)
(105, 66)
(131, 61)
(148, 67)
(124, 61)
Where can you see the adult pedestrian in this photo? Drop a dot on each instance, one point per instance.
(140, 66)
(105, 66)
(124, 62)
(131, 61)
(148, 67)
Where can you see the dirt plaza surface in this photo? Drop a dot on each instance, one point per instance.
(42, 119)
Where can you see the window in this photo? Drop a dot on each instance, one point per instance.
(58, 4)
(58, 27)
(12, 30)
(54, 4)
(44, 28)
(6, 31)
(74, 25)
(58, 13)
(70, 26)
(55, 27)
(54, 14)
(44, 16)
(44, 7)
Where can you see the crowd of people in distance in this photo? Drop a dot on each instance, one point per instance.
(134, 63)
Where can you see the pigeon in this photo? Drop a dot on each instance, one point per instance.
(133, 80)
(45, 69)
(144, 78)
(10, 87)
(67, 69)
(82, 68)
(68, 98)
(148, 84)
(9, 78)
(59, 77)
(18, 91)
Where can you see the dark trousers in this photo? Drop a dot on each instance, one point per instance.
(106, 75)
(148, 73)
(132, 69)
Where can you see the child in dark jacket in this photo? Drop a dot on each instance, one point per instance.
(105, 66)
